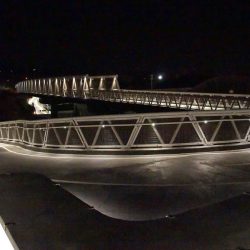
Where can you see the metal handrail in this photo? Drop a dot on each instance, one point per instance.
(155, 131)
(81, 87)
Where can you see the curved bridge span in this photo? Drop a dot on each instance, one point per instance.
(206, 122)
(106, 88)
(211, 121)
(150, 132)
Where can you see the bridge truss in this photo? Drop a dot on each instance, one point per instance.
(106, 88)
(154, 131)
(210, 120)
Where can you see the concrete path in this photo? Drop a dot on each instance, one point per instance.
(121, 187)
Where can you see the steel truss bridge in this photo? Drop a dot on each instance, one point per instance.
(211, 120)
(106, 88)
(132, 132)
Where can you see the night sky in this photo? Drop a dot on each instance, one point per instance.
(124, 37)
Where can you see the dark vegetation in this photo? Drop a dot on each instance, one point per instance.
(14, 106)
(225, 84)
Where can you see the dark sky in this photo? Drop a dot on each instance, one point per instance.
(125, 37)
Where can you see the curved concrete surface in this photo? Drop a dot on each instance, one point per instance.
(42, 216)
(130, 187)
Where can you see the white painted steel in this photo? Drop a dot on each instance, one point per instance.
(154, 131)
(220, 119)
(106, 88)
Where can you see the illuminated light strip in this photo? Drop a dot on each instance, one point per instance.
(6, 240)
(75, 156)
(147, 185)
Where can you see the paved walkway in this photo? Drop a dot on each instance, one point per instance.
(42, 216)
(115, 184)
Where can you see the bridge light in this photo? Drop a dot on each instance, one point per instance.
(64, 127)
(103, 126)
(205, 121)
(160, 77)
(153, 124)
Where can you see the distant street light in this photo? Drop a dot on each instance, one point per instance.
(152, 77)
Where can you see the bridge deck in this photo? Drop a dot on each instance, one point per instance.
(200, 178)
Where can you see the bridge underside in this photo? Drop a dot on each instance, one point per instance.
(83, 107)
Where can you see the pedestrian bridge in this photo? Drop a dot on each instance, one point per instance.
(206, 122)
(106, 88)
(210, 121)
(155, 131)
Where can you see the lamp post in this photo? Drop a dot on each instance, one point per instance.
(159, 77)
(151, 80)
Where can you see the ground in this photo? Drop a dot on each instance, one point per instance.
(125, 202)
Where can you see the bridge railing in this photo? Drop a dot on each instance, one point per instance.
(155, 131)
(106, 88)
(177, 100)
(71, 86)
